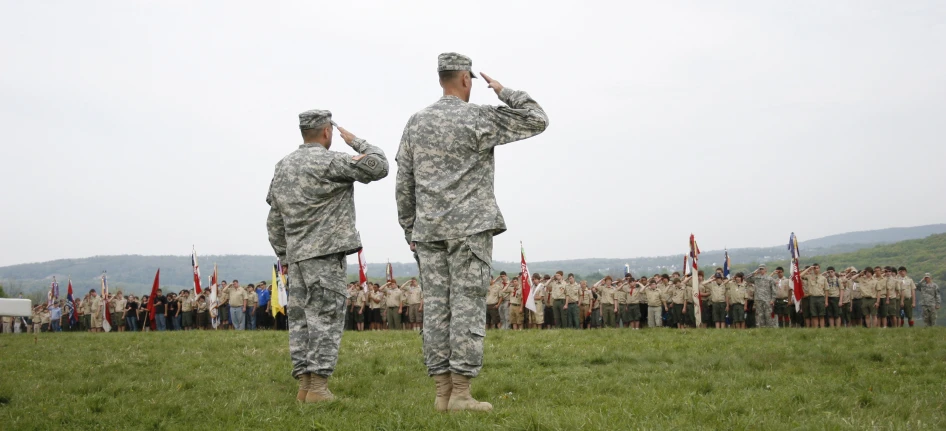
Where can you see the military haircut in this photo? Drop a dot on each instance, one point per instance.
(450, 75)
(308, 134)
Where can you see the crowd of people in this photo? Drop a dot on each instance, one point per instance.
(237, 308)
(872, 297)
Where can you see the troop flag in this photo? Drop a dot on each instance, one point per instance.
(627, 270)
(686, 268)
(726, 265)
(362, 270)
(389, 273)
(694, 257)
(196, 271)
(527, 292)
(107, 320)
(796, 274)
(154, 293)
(276, 304)
(53, 293)
(73, 315)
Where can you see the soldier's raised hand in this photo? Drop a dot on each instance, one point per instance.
(494, 84)
(346, 135)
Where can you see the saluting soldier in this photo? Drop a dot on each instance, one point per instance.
(930, 299)
(311, 228)
(447, 207)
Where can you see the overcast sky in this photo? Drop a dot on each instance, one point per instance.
(136, 127)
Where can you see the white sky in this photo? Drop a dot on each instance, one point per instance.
(143, 127)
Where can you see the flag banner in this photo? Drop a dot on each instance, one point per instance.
(389, 273)
(362, 270)
(54, 288)
(527, 292)
(686, 269)
(694, 257)
(276, 306)
(196, 271)
(214, 302)
(726, 265)
(107, 321)
(73, 315)
(799, 291)
(627, 270)
(154, 294)
(283, 288)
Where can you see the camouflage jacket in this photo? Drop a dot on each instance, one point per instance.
(928, 293)
(446, 164)
(765, 287)
(312, 200)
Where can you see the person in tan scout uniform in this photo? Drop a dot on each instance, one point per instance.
(892, 285)
(537, 317)
(515, 304)
(908, 293)
(493, 294)
(736, 292)
(394, 303)
(572, 294)
(375, 298)
(864, 282)
(609, 307)
(415, 304)
(678, 293)
(584, 305)
(556, 288)
(655, 304)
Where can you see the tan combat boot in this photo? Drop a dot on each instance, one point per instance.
(444, 387)
(318, 389)
(303, 387)
(460, 398)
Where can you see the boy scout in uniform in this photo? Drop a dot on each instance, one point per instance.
(447, 208)
(415, 305)
(394, 304)
(892, 284)
(817, 284)
(678, 299)
(572, 294)
(375, 299)
(493, 293)
(515, 304)
(620, 300)
(360, 309)
(864, 282)
(717, 297)
(537, 317)
(634, 300)
(908, 293)
(609, 308)
(655, 305)
(585, 302)
(311, 226)
(833, 292)
(736, 300)
(880, 286)
(556, 289)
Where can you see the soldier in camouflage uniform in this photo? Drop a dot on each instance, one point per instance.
(311, 227)
(447, 207)
(765, 292)
(930, 300)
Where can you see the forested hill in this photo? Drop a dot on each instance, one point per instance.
(135, 273)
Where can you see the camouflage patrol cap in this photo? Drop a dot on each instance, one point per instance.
(314, 119)
(454, 61)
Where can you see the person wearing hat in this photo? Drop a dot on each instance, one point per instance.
(311, 227)
(766, 290)
(864, 282)
(718, 302)
(930, 299)
(908, 293)
(447, 207)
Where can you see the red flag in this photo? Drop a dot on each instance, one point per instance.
(196, 272)
(796, 274)
(362, 270)
(154, 293)
(73, 313)
(526, 281)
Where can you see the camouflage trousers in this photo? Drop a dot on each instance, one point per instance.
(316, 312)
(455, 275)
(763, 315)
(929, 314)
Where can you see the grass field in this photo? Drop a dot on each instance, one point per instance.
(536, 380)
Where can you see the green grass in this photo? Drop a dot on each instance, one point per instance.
(536, 380)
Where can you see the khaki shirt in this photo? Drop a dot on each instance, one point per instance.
(84, 307)
(539, 297)
(867, 286)
(505, 293)
(678, 293)
(556, 289)
(97, 305)
(201, 307)
(572, 292)
(187, 304)
(44, 317)
(880, 286)
(237, 296)
(833, 287)
(375, 296)
(817, 285)
(664, 291)
(637, 295)
(621, 295)
(493, 294)
(893, 287)
(737, 293)
(845, 293)
(515, 295)
(717, 291)
(654, 296)
(606, 295)
(252, 300)
(393, 297)
(907, 287)
(586, 296)
(223, 296)
(414, 295)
